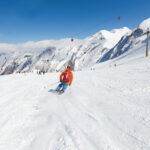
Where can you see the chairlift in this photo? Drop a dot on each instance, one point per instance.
(72, 39)
(14, 63)
(49, 50)
(119, 18)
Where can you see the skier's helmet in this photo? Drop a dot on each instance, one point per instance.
(69, 67)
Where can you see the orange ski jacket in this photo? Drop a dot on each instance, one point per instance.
(62, 75)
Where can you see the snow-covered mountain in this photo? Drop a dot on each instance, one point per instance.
(96, 46)
(132, 40)
(54, 55)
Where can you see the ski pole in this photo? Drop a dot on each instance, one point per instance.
(52, 84)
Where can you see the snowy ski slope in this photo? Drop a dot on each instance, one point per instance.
(105, 109)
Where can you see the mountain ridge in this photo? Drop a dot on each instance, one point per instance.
(55, 55)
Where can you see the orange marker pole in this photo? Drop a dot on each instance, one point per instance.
(147, 43)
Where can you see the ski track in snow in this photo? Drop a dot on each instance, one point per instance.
(105, 109)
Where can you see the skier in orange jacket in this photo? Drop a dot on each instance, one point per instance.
(66, 78)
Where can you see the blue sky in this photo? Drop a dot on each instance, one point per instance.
(34, 20)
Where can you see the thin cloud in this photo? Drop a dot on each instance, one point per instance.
(36, 46)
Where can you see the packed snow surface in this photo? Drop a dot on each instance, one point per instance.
(106, 108)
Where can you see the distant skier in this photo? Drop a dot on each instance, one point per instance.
(66, 78)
